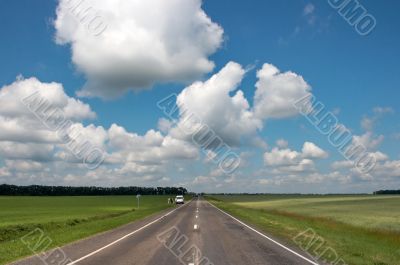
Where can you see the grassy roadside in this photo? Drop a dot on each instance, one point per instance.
(355, 245)
(66, 219)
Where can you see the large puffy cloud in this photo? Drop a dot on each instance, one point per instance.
(25, 106)
(45, 94)
(217, 104)
(142, 42)
(277, 92)
(199, 103)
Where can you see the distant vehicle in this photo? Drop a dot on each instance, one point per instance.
(179, 199)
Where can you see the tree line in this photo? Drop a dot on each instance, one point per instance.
(380, 192)
(38, 190)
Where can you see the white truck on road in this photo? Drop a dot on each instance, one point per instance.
(179, 199)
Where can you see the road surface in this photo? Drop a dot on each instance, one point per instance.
(196, 233)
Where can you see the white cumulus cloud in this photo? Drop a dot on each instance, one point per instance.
(286, 160)
(277, 92)
(218, 104)
(310, 150)
(144, 42)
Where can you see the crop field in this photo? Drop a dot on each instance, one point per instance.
(66, 219)
(362, 229)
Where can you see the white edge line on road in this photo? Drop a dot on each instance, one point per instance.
(261, 234)
(125, 236)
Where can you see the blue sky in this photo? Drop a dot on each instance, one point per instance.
(355, 76)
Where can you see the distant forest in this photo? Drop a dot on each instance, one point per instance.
(387, 192)
(37, 190)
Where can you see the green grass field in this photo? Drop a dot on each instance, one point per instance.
(66, 219)
(362, 230)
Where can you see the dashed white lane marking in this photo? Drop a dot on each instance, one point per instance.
(196, 227)
(125, 236)
(270, 239)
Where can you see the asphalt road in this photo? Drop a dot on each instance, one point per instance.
(172, 238)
